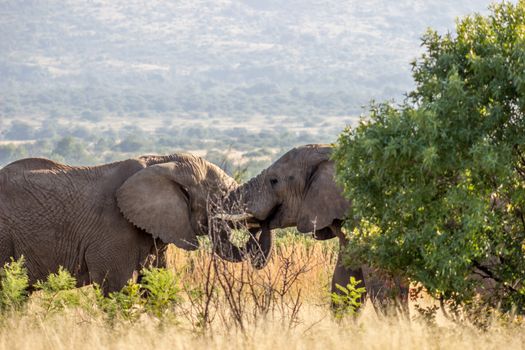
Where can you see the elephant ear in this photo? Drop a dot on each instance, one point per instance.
(323, 202)
(157, 200)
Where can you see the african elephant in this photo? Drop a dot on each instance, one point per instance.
(103, 223)
(299, 190)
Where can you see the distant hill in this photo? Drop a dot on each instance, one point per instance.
(210, 58)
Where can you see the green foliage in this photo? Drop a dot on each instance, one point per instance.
(439, 180)
(239, 175)
(19, 130)
(56, 282)
(9, 152)
(14, 282)
(72, 149)
(126, 304)
(58, 291)
(156, 294)
(76, 144)
(162, 288)
(348, 300)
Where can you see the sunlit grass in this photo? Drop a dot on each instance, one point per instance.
(313, 326)
(317, 330)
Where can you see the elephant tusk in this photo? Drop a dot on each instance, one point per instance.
(253, 225)
(233, 217)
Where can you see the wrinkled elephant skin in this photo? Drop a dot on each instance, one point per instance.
(103, 223)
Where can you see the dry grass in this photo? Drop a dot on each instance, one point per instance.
(304, 266)
(317, 331)
(316, 259)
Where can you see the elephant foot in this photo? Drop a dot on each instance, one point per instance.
(389, 295)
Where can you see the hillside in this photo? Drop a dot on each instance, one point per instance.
(205, 74)
(211, 57)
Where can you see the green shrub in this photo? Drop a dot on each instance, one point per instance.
(162, 288)
(348, 300)
(14, 282)
(58, 291)
(156, 294)
(126, 304)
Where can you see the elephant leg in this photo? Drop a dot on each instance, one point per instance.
(7, 250)
(403, 286)
(111, 267)
(342, 274)
(388, 294)
(112, 279)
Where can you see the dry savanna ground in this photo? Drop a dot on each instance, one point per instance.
(231, 306)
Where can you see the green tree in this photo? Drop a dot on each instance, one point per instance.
(72, 150)
(19, 130)
(9, 152)
(130, 144)
(437, 183)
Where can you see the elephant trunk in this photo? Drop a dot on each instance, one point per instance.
(237, 209)
(241, 201)
(219, 231)
(224, 248)
(260, 246)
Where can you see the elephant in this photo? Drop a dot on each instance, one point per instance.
(104, 223)
(299, 190)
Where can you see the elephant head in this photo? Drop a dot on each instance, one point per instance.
(173, 200)
(298, 189)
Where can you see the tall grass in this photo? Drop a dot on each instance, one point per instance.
(209, 304)
(316, 331)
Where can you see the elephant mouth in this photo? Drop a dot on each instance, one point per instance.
(259, 246)
(251, 220)
(273, 218)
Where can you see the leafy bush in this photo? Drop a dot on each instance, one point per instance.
(58, 291)
(72, 149)
(14, 282)
(156, 294)
(9, 152)
(162, 288)
(348, 301)
(439, 182)
(126, 304)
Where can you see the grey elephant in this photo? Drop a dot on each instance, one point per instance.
(299, 190)
(103, 223)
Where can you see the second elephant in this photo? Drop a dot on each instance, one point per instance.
(299, 190)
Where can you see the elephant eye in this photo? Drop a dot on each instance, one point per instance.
(273, 182)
